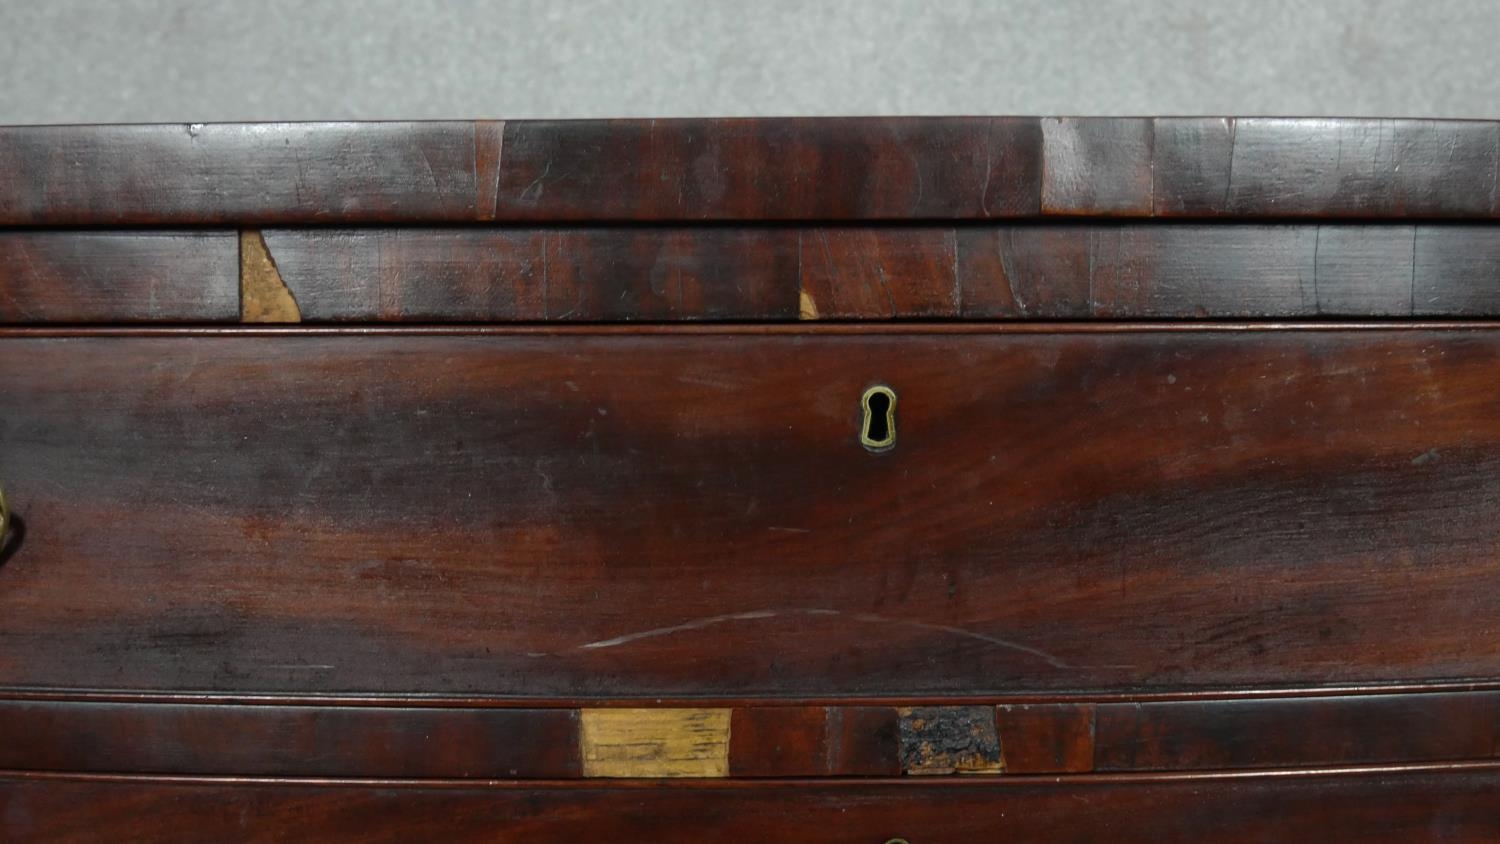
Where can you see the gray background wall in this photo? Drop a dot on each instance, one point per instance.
(172, 60)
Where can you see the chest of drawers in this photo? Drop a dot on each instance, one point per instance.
(930, 480)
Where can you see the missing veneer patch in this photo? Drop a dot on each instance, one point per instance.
(949, 740)
(264, 296)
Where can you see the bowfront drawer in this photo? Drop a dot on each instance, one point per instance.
(1456, 806)
(737, 513)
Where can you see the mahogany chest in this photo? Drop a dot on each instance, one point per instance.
(846, 480)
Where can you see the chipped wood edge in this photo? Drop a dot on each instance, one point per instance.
(807, 308)
(264, 296)
(650, 743)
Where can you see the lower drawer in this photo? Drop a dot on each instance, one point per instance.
(690, 513)
(1455, 804)
(750, 740)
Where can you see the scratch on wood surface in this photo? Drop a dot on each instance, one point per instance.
(757, 615)
(1411, 303)
(264, 296)
(695, 624)
(654, 742)
(489, 143)
(989, 167)
(1004, 244)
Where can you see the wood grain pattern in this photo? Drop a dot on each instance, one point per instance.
(1075, 271)
(772, 169)
(1109, 271)
(1284, 167)
(884, 273)
(1455, 270)
(101, 276)
(836, 169)
(814, 741)
(1148, 583)
(765, 738)
(583, 275)
(661, 742)
(1098, 166)
(1050, 738)
(1183, 271)
(1375, 807)
(467, 514)
(241, 174)
(779, 741)
(281, 174)
(1269, 734)
(308, 741)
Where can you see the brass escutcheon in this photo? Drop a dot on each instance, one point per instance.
(877, 430)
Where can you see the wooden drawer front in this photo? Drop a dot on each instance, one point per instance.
(1381, 807)
(591, 513)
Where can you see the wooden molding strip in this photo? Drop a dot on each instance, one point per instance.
(1379, 806)
(1019, 698)
(118, 277)
(816, 275)
(748, 741)
(1010, 272)
(798, 329)
(836, 169)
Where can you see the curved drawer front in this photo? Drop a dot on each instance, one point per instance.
(691, 513)
(1380, 807)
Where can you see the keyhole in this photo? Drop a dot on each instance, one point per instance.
(878, 431)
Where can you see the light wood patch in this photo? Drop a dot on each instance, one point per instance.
(264, 296)
(655, 742)
(806, 307)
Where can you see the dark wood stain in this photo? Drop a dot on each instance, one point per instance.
(1384, 807)
(1326, 731)
(766, 738)
(1046, 738)
(772, 740)
(94, 277)
(326, 741)
(563, 275)
(1143, 579)
(770, 169)
(1136, 271)
(1281, 167)
(239, 174)
(1266, 508)
(745, 169)
(886, 273)
(671, 274)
